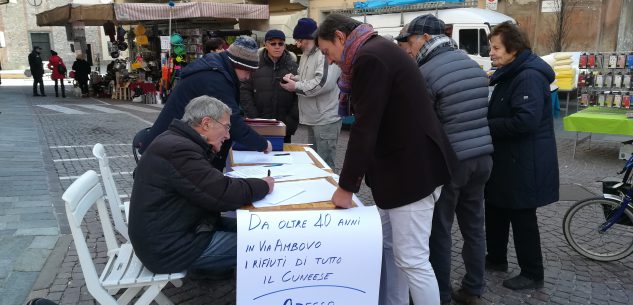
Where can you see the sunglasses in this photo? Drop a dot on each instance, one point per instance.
(277, 44)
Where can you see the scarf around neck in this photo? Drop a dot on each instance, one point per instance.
(354, 41)
(434, 43)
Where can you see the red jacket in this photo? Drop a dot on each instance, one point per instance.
(53, 62)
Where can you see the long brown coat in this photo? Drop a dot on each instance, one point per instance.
(396, 142)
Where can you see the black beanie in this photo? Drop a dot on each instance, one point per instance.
(304, 29)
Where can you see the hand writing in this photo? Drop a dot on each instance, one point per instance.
(271, 183)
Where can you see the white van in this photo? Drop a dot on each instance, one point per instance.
(470, 27)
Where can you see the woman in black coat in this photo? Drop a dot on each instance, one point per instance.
(525, 165)
(82, 71)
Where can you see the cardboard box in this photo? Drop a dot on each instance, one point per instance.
(273, 128)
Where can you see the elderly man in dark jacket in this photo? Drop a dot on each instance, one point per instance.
(397, 143)
(262, 95)
(178, 195)
(459, 90)
(37, 70)
(217, 75)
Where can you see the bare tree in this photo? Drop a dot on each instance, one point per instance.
(560, 26)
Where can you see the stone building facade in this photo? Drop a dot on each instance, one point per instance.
(18, 22)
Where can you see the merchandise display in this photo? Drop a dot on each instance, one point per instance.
(605, 79)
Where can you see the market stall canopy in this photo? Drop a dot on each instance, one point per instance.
(96, 15)
(91, 15)
(153, 11)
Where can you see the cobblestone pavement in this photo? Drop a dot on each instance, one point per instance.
(65, 139)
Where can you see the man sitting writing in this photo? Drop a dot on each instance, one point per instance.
(175, 221)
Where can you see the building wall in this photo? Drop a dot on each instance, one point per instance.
(594, 24)
(625, 35)
(18, 21)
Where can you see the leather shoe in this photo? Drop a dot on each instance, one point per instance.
(501, 267)
(463, 297)
(521, 282)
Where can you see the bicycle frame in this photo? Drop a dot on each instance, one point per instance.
(625, 198)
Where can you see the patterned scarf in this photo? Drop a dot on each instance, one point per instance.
(354, 41)
(434, 43)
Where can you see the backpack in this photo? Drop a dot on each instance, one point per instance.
(61, 69)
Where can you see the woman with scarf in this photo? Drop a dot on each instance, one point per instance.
(396, 144)
(525, 165)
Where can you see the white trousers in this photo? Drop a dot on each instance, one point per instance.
(406, 266)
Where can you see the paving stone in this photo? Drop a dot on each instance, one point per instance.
(44, 242)
(38, 231)
(31, 260)
(13, 291)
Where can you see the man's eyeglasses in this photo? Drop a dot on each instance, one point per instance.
(277, 44)
(226, 126)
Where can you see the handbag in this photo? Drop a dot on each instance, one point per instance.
(71, 74)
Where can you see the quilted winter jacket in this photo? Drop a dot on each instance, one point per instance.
(317, 89)
(177, 194)
(263, 97)
(459, 89)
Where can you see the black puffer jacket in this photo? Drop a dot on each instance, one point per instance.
(176, 190)
(263, 97)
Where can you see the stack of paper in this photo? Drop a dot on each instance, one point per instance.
(281, 193)
(281, 172)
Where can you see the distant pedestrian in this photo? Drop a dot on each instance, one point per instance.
(525, 162)
(82, 73)
(214, 45)
(37, 70)
(261, 96)
(396, 145)
(56, 64)
(315, 85)
(459, 91)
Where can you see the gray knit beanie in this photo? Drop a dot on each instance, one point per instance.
(243, 52)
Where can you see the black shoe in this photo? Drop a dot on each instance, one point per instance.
(521, 282)
(42, 94)
(35, 94)
(500, 267)
(462, 297)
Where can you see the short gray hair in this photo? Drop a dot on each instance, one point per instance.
(202, 106)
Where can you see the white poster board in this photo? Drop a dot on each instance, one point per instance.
(165, 43)
(330, 257)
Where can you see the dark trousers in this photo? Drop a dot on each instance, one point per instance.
(527, 240)
(38, 79)
(287, 139)
(83, 85)
(463, 197)
(61, 81)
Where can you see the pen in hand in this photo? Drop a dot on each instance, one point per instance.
(268, 173)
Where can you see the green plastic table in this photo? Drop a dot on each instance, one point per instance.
(598, 120)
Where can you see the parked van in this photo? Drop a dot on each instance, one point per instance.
(470, 26)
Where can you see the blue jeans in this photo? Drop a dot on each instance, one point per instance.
(221, 253)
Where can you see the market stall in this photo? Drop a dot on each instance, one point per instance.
(159, 38)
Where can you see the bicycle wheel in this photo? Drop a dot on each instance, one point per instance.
(581, 226)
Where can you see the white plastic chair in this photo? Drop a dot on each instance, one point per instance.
(123, 269)
(111, 192)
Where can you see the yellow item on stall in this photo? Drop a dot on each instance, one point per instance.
(141, 40)
(139, 30)
(562, 56)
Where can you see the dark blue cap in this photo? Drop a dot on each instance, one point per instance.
(272, 34)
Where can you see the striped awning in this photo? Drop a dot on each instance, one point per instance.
(154, 11)
(231, 11)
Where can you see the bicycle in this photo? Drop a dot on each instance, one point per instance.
(601, 228)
